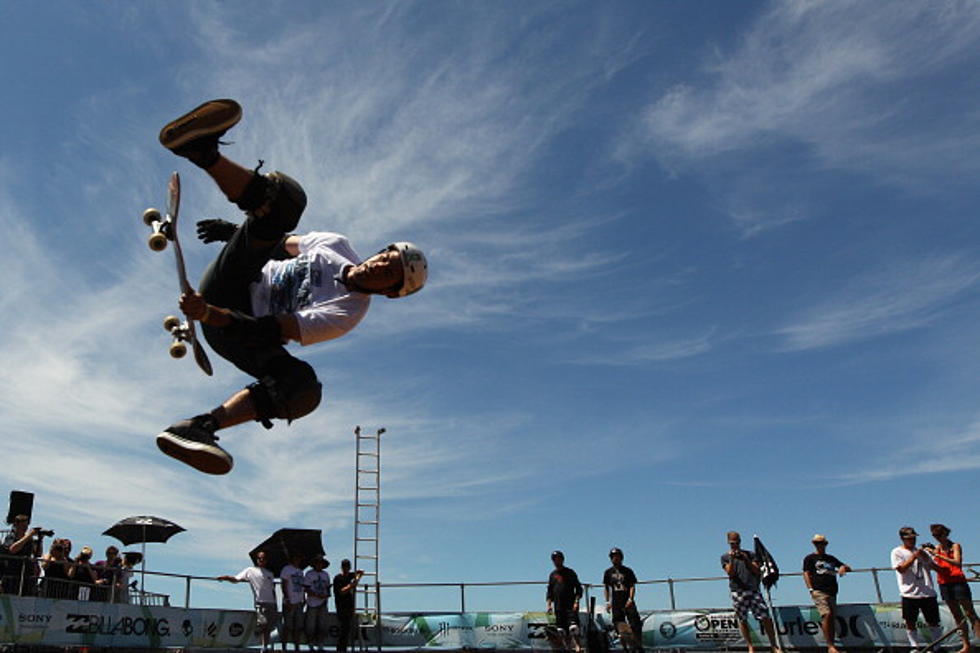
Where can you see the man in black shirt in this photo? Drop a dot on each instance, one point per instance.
(820, 571)
(620, 587)
(344, 589)
(564, 592)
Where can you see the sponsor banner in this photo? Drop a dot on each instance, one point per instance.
(859, 625)
(53, 622)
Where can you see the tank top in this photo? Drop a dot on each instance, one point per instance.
(947, 572)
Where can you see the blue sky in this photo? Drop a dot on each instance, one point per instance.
(694, 267)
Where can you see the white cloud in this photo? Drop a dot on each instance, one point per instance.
(902, 296)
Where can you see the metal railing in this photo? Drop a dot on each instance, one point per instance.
(517, 596)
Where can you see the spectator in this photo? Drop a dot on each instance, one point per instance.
(83, 575)
(744, 574)
(126, 582)
(948, 561)
(263, 584)
(56, 565)
(317, 585)
(344, 589)
(619, 582)
(293, 597)
(562, 597)
(913, 570)
(20, 573)
(108, 572)
(820, 572)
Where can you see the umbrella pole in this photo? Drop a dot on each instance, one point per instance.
(143, 564)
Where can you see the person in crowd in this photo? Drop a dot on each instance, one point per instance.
(619, 584)
(820, 571)
(913, 570)
(108, 571)
(316, 582)
(344, 591)
(263, 584)
(947, 559)
(744, 574)
(293, 599)
(562, 598)
(20, 572)
(56, 566)
(83, 575)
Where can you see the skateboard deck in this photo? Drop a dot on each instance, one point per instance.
(164, 230)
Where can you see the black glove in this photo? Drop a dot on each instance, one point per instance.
(214, 229)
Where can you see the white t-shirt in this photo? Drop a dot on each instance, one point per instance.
(307, 287)
(292, 582)
(319, 583)
(263, 583)
(916, 581)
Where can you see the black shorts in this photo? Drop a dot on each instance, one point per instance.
(566, 619)
(955, 591)
(929, 607)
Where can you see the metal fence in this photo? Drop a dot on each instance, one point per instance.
(448, 597)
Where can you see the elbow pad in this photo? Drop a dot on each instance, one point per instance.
(252, 331)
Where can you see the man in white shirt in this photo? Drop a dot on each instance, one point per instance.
(267, 288)
(263, 584)
(293, 597)
(317, 584)
(913, 571)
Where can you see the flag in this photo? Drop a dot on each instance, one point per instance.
(770, 570)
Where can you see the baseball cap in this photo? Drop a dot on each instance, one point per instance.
(906, 530)
(819, 538)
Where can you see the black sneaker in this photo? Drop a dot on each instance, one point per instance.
(192, 441)
(195, 134)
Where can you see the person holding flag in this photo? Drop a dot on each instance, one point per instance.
(745, 572)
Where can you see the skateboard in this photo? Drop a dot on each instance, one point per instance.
(164, 230)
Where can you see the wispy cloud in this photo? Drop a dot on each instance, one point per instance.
(899, 297)
(834, 76)
(819, 88)
(929, 452)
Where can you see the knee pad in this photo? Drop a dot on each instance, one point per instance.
(289, 390)
(274, 202)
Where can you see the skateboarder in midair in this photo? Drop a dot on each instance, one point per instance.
(268, 287)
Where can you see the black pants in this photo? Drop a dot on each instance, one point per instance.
(226, 281)
(345, 623)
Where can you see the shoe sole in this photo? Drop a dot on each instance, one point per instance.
(213, 117)
(209, 459)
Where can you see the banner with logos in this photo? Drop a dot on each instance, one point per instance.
(52, 622)
(859, 625)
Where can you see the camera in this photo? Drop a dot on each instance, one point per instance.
(44, 533)
(929, 545)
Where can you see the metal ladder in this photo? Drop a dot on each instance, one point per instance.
(367, 530)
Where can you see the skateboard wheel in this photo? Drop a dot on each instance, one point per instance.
(157, 242)
(149, 216)
(171, 322)
(178, 350)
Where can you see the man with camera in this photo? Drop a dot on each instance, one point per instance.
(20, 576)
(744, 574)
(913, 569)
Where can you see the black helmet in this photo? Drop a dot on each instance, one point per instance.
(615, 551)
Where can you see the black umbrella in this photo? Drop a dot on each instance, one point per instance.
(143, 529)
(287, 542)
